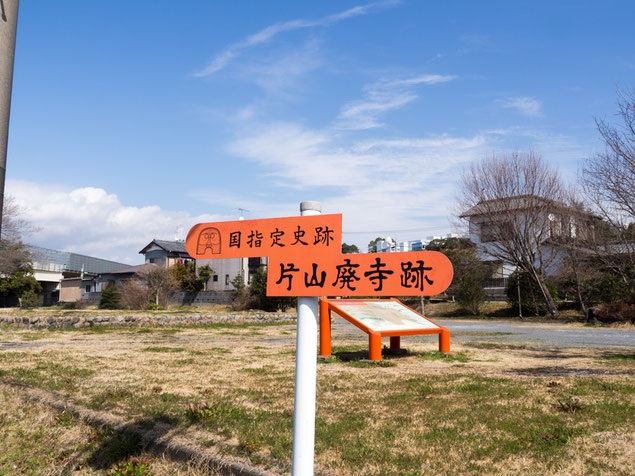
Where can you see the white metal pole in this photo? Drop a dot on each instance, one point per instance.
(305, 374)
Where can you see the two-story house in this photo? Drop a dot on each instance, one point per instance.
(168, 253)
(530, 227)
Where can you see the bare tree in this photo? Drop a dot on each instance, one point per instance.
(510, 201)
(578, 245)
(13, 253)
(161, 283)
(135, 294)
(609, 183)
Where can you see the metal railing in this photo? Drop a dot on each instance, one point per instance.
(495, 283)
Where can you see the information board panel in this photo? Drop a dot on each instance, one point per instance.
(382, 316)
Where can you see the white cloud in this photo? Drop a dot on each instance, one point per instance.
(381, 97)
(268, 33)
(381, 184)
(279, 73)
(92, 221)
(425, 79)
(527, 106)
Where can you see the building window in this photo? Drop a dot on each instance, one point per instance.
(215, 278)
(88, 288)
(226, 279)
(488, 233)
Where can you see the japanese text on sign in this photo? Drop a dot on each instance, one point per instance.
(378, 274)
(305, 258)
(269, 237)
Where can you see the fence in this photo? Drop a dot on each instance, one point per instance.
(495, 283)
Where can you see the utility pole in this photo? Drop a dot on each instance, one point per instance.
(8, 26)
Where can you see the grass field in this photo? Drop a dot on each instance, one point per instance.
(490, 310)
(487, 408)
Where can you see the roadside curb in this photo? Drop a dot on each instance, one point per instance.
(155, 440)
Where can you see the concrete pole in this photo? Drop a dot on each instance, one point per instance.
(8, 26)
(305, 374)
(244, 262)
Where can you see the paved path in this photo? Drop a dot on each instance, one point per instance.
(553, 335)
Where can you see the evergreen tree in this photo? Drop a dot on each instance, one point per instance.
(110, 298)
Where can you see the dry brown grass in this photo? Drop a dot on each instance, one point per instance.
(495, 412)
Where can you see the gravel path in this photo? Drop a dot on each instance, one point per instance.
(552, 335)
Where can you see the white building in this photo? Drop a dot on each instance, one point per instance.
(391, 245)
(224, 270)
(546, 223)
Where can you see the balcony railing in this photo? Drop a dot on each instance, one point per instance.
(495, 283)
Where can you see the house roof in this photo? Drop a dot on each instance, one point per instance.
(521, 202)
(168, 246)
(133, 269)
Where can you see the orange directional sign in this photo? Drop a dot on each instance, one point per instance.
(305, 258)
(413, 273)
(318, 235)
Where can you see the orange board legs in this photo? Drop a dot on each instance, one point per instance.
(374, 347)
(395, 343)
(325, 329)
(444, 341)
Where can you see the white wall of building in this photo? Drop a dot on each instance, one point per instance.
(223, 272)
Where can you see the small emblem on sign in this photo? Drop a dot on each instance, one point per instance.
(209, 238)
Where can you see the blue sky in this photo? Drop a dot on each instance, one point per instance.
(131, 120)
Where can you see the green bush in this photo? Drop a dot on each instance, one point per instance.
(110, 298)
(258, 289)
(29, 300)
(607, 288)
(470, 295)
(242, 299)
(532, 300)
(131, 467)
(188, 280)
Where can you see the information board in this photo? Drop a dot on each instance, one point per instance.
(381, 316)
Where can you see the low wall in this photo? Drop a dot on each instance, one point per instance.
(41, 322)
(180, 297)
(202, 297)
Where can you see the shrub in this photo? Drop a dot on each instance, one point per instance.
(135, 294)
(131, 467)
(110, 298)
(619, 311)
(606, 288)
(188, 281)
(470, 295)
(241, 297)
(29, 300)
(532, 300)
(68, 305)
(258, 289)
(469, 272)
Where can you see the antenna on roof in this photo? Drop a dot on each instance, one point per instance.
(177, 232)
(241, 213)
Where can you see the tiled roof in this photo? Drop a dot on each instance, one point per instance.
(132, 269)
(520, 202)
(169, 246)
